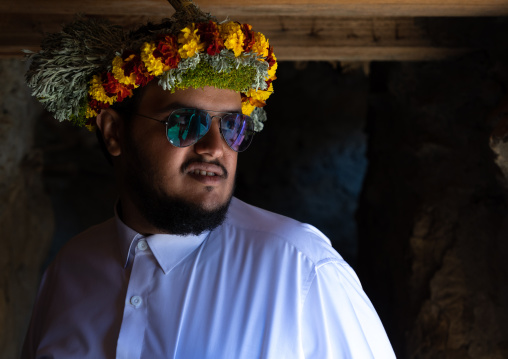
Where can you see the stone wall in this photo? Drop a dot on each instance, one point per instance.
(26, 221)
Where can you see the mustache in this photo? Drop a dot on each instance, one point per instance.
(187, 163)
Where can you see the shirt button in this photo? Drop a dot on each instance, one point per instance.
(142, 246)
(136, 301)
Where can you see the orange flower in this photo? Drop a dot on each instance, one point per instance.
(95, 105)
(271, 57)
(167, 52)
(249, 40)
(209, 34)
(247, 107)
(134, 65)
(258, 97)
(115, 88)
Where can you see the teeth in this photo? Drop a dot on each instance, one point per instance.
(203, 173)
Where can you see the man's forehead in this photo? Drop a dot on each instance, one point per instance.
(208, 98)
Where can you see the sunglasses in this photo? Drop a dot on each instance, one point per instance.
(186, 126)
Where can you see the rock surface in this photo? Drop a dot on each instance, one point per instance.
(26, 221)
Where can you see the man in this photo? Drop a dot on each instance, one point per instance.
(184, 270)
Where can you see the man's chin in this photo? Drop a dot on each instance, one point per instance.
(210, 205)
(183, 217)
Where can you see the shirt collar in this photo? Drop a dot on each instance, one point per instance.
(168, 249)
(127, 237)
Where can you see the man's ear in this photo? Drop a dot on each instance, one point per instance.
(111, 125)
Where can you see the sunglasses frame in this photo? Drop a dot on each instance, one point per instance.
(166, 122)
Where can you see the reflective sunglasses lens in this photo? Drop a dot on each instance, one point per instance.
(238, 131)
(186, 126)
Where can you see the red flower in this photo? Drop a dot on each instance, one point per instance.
(167, 51)
(115, 88)
(209, 34)
(96, 105)
(249, 40)
(271, 61)
(133, 64)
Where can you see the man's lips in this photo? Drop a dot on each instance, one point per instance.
(205, 169)
(203, 173)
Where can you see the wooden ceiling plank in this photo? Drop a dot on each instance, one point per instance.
(298, 38)
(221, 8)
(304, 31)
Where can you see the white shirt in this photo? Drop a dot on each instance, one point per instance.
(259, 286)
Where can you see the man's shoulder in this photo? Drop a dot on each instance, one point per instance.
(274, 229)
(93, 238)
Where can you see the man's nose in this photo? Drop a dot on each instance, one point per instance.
(212, 144)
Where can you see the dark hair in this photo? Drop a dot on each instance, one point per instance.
(126, 109)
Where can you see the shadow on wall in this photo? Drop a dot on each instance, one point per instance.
(77, 177)
(433, 213)
(308, 163)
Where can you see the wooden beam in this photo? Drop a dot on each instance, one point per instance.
(222, 8)
(346, 30)
(298, 38)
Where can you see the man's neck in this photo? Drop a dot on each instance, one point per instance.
(130, 215)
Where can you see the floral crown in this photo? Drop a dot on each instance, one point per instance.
(92, 64)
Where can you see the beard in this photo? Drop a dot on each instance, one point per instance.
(168, 213)
(174, 215)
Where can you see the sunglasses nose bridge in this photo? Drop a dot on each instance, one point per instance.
(219, 122)
(216, 116)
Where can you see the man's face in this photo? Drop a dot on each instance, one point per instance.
(201, 175)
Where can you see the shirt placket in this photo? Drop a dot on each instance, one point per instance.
(134, 322)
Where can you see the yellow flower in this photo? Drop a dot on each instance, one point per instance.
(261, 45)
(190, 42)
(260, 95)
(247, 108)
(154, 66)
(90, 112)
(271, 70)
(255, 99)
(90, 128)
(233, 37)
(97, 91)
(119, 74)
